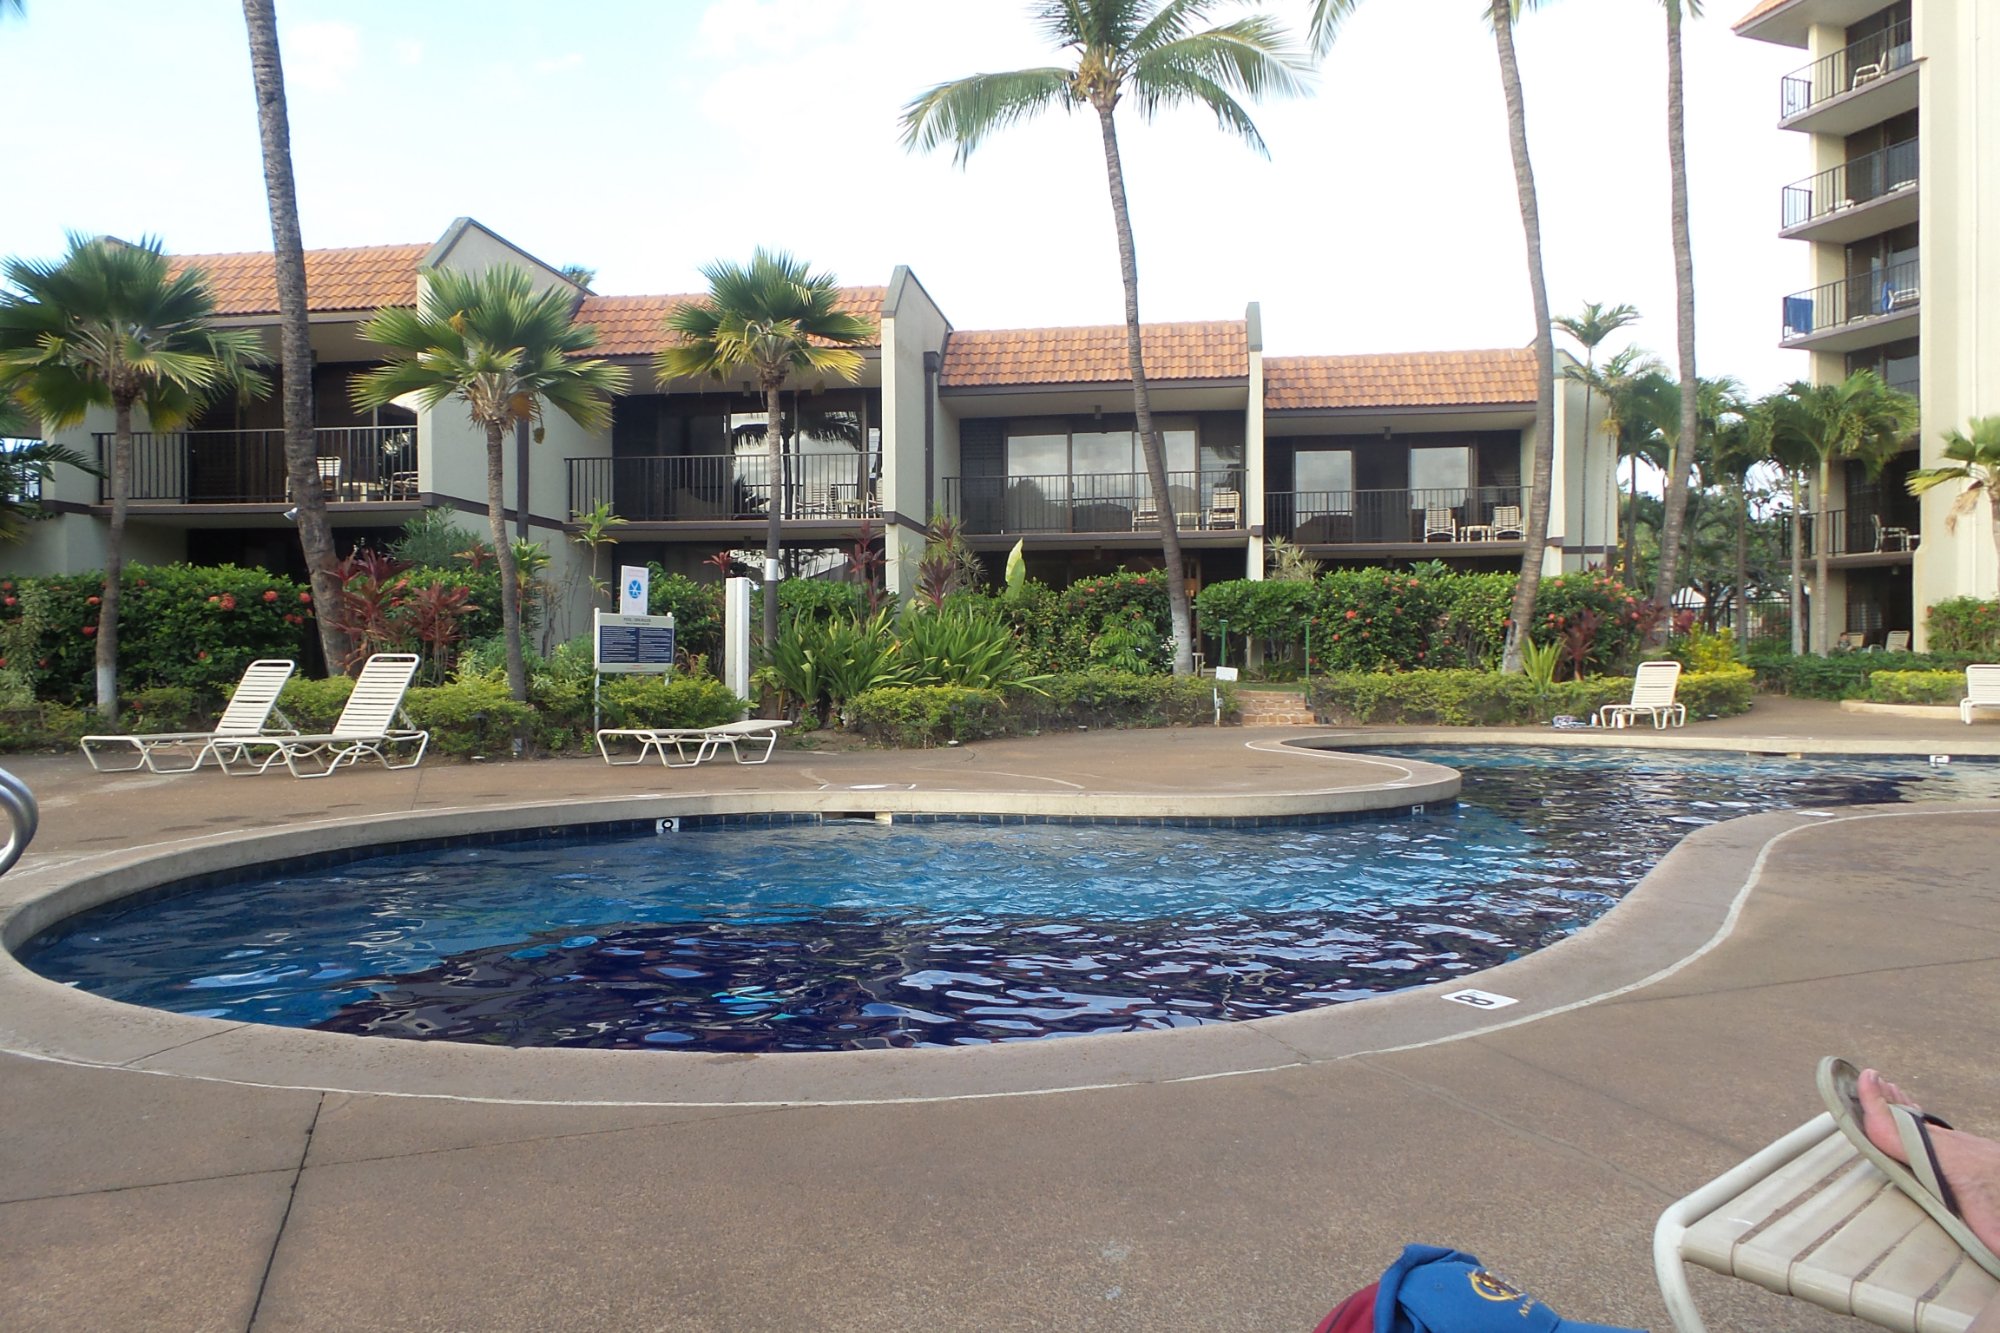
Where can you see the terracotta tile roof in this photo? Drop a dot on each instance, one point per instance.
(991, 358)
(1401, 379)
(356, 278)
(635, 325)
(1763, 7)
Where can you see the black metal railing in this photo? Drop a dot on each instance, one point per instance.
(1095, 502)
(248, 466)
(1869, 177)
(1883, 291)
(1873, 57)
(1858, 531)
(1342, 518)
(722, 487)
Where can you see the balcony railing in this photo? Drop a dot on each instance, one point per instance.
(1885, 171)
(1853, 67)
(1862, 531)
(248, 466)
(1883, 291)
(1345, 518)
(707, 488)
(1096, 502)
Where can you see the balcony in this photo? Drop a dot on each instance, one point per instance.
(1855, 87)
(1396, 517)
(1107, 502)
(724, 488)
(1863, 311)
(1870, 535)
(1865, 197)
(245, 467)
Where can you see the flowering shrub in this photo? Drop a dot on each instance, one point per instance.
(1622, 617)
(1964, 625)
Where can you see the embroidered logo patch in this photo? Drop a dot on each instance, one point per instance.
(1490, 1288)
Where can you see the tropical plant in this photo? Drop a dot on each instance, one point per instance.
(772, 319)
(1975, 461)
(961, 645)
(110, 325)
(1154, 56)
(1860, 418)
(295, 355)
(1680, 459)
(26, 465)
(1288, 563)
(948, 566)
(503, 349)
(1589, 330)
(433, 539)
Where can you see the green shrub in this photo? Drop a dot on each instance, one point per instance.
(1700, 650)
(1969, 625)
(169, 708)
(1561, 602)
(44, 726)
(314, 705)
(925, 715)
(1724, 692)
(1916, 687)
(695, 607)
(960, 644)
(677, 701)
(1843, 675)
(1118, 699)
(1374, 620)
(467, 718)
(1473, 630)
(1460, 698)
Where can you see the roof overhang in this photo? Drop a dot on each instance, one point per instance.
(1788, 23)
(1408, 420)
(1038, 400)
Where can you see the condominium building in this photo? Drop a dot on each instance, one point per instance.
(1902, 217)
(1020, 435)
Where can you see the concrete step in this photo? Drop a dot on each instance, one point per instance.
(1274, 708)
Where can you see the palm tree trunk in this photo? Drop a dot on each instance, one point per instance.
(114, 561)
(294, 345)
(1530, 580)
(1631, 579)
(774, 440)
(1798, 570)
(1149, 438)
(1742, 617)
(503, 554)
(1821, 535)
(1682, 453)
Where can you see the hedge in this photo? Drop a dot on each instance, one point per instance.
(1916, 687)
(934, 715)
(1844, 675)
(1965, 625)
(1461, 698)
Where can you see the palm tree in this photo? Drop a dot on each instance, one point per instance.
(502, 348)
(108, 326)
(1726, 452)
(773, 319)
(26, 464)
(1861, 418)
(1152, 52)
(294, 341)
(1976, 462)
(1589, 330)
(1680, 458)
(1646, 410)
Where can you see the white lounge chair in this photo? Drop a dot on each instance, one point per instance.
(366, 729)
(705, 742)
(248, 714)
(1653, 690)
(1440, 523)
(1896, 641)
(1507, 522)
(1982, 689)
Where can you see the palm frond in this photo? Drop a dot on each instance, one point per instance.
(965, 111)
(1324, 27)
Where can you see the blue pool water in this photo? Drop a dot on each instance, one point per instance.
(840, 936)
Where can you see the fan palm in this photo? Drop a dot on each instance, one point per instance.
(1681, 458)
(26, 464)
(1589, 330)
(1861, 418)
(773, 319)
(1155, 55)
(108, 325)
(503, 349)
(1976, 462)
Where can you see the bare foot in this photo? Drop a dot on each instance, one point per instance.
(1968, 1163)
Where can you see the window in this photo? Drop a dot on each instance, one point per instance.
(1440, 475)
(1324, 480)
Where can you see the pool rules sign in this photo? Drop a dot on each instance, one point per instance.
(634, 645)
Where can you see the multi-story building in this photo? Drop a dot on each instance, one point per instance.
(1902, 216)
(1021, 435)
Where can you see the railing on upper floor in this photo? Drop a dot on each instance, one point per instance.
(248, 466)
(1347, 518)
(1866, 178)
(1873, 57)
(1883, 291)
(1858, 531)
(1095, 502)
(708, 488)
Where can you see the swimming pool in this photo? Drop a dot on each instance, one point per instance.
(809, 936)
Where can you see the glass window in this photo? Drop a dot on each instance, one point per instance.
(1096, 452)
(1037, 455)
(1324, 479)
(1441, 474)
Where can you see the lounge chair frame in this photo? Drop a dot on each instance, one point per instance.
(705, 742)
(1653, 688)
(373, 725)
(1982, 689)
(251, 707)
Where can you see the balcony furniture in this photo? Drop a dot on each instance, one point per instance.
(402, 485)
(1885, 534)
(1225, 508)
(1867, 73)
(1477, 532)
(1852, 641)
(1440, 523)
(1145, 514)
(329, 475)
(1507, 519)
(1896, 298)
(1896, 641)
(818, 503)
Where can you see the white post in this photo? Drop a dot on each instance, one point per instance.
(736, 636)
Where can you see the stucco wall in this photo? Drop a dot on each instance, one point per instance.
(912, 324)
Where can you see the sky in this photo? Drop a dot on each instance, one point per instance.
(646, 138)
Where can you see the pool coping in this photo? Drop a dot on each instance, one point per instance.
(1684, 906)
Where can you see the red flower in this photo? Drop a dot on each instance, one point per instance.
(229, 601)
(92, 601)
(305, 599)
(89, 631)
(7, 586)
(271, 595)
(43, 663)
(10, 601)
(1352, 614)
(213, 600)
(201, 656)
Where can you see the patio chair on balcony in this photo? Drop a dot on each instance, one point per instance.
(1440, 523)
(1225, 508)
(1507, 523)
(329, 476)
(1145, 514)
(1885, 534)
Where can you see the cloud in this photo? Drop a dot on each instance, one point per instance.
(560, 64)
(408, 52)
(732, 27)
(320, 56)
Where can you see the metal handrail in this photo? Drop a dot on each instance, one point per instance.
(248, 466)
(24, 817)
(1884, 291)
(1860, 181)
(1873, 57)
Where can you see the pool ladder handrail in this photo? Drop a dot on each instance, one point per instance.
(23, 818)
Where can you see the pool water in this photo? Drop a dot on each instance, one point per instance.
(843, 936)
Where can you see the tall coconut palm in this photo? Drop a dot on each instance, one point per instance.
(503, 349)
(1681, 458)
(1976, 462)
(773, 319)
(1589, 330)
(1155, 54)
(108, 326)
(1860, 418)
(294, 342)
(1725, 453)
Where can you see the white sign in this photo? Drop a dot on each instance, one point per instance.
(634, 586)
(1481, 999)
(1225, 673)
(627, 645)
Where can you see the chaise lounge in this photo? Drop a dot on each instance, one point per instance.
(1653, 689)
(367, 728)
(705, 742)
(1982, 689)
(248, 714)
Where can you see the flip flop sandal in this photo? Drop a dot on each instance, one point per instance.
(1921, 1179)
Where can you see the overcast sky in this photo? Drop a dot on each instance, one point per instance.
(643, 138)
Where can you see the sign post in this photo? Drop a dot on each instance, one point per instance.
(623, 645)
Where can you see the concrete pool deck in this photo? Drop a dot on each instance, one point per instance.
(1139, 1188)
